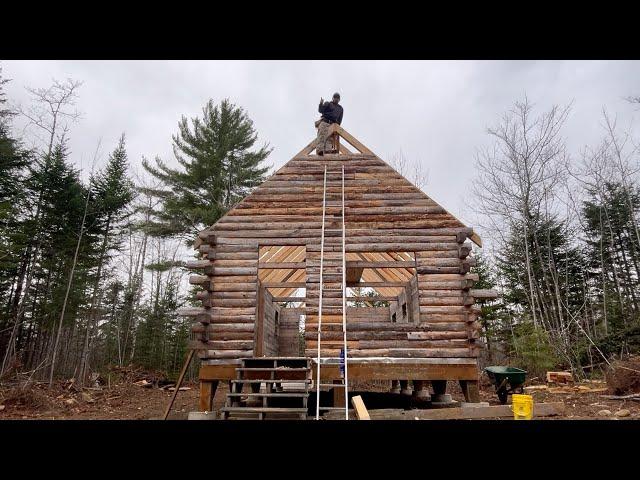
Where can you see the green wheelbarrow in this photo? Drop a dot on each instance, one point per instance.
(508, 380)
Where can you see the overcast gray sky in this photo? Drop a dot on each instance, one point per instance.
(437, 112)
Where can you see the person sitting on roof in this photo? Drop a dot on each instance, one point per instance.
(331, 113)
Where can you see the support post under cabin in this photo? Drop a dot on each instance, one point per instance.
(207, 393)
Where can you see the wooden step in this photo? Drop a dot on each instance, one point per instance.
(263, 410)
(270, 380)
(270, 395)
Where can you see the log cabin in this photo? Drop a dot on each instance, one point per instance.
(342, 244)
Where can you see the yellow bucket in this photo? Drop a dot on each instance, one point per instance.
(522, 406)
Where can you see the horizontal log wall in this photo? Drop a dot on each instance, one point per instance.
(384, 212)
(289, 333)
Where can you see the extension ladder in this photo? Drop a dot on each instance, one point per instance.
(333, 239)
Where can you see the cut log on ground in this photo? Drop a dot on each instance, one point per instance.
(633, 396)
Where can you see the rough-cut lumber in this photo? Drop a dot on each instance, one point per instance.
(283, 284)
(559, 377)
(360, 409)
(286, 265)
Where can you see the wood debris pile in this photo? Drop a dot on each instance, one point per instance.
(566, 389)
(559, 377)
(138, 376)
(623, 377)
(567, 385)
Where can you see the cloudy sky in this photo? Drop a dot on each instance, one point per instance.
(436, 112)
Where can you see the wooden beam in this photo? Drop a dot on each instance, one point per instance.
(376, 284)
(207, 392)
(289, 299)
(374, 264)
(351, 139)
(372, 299)
(475, 238)
(354, 275)
(361, 410)
(284, 284)
(393, 371)
(289, 265)
(179, 383)
(306, 150)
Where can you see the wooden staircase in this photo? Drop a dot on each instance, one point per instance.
(278, 387)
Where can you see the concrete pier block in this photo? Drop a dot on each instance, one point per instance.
(202, 416)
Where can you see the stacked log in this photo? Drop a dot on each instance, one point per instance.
(383, 212)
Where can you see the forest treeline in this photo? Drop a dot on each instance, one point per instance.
(564, 230)
(92, 263)
(92, 269)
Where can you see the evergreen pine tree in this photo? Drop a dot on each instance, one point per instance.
(59, 225)
(218, 169)
(112, 194)
(14, 161)
(614, 253)
(493, 318)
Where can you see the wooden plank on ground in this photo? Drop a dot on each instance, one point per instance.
(361, 410)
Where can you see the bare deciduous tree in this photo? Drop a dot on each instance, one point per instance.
(52, 109)
(413, 171)
(517, 183)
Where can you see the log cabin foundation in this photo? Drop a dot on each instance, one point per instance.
(420, 390)
(395, 387)
(410, 312)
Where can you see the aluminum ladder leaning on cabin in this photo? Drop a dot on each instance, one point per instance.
(341, 263)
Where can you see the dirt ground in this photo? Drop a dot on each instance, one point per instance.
(583, 401)
(128, 401)
(119, 402)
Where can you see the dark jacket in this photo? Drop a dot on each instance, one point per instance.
(331, 112)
